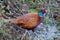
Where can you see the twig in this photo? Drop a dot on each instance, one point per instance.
(24, 35)
(13, 3)
(1, 13)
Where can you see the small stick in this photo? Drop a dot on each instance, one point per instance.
(1, 14)
(24, 35)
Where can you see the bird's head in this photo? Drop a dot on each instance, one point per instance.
(41, 12)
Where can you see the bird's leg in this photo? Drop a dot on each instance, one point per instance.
(33, 30)
(24, 36)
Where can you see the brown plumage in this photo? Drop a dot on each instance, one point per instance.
(30, 20)
(27, 21)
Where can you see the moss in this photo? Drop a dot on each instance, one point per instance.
(32, 10)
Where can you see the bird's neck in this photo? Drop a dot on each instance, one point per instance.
(41, 14)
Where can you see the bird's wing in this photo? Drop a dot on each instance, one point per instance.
(31, 22)
(27, 21)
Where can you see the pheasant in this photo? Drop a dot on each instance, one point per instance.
(30, 20)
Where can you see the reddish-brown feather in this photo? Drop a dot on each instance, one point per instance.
(27, 21)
